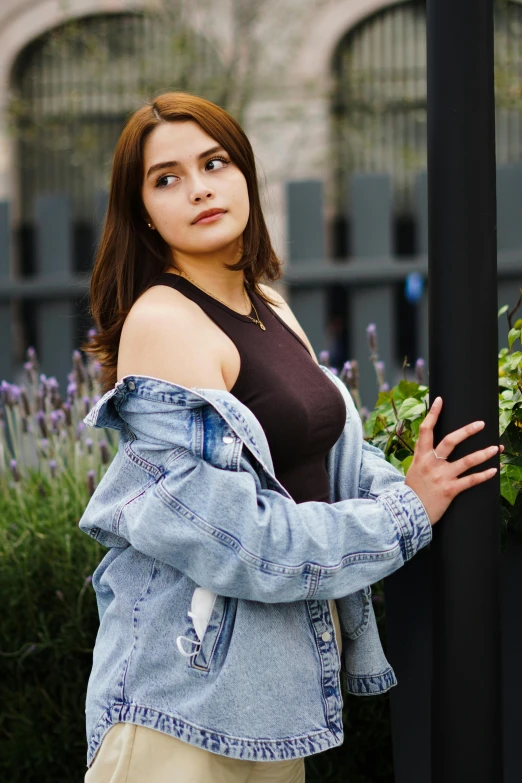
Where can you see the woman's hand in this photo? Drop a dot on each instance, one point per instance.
(436, 481)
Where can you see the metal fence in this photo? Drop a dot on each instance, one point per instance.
(371, 286)
(333, 299)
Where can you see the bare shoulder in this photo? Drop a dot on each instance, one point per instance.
(285, 312)
(166, 335)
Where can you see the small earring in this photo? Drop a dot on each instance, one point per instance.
(150, 225)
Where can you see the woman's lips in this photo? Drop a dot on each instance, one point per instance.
(210, 218)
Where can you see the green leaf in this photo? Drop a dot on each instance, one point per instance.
(510, 482)
(411, 408)
(395, 462)
(406, 463)
(406, 389)
(503, 310)
(507, 383)
(415, 426)
(384, 397)
(504, 421)
(379, 425)
(512, 336)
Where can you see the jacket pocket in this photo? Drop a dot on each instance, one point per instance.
(208, 613)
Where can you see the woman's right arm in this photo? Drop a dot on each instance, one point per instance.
(234, 537)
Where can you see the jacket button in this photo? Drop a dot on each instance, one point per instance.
(131, 385)
(326, 636)
(227, 439)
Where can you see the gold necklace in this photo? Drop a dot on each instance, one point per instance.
(256, 320)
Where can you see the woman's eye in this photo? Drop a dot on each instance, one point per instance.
(217, 163)
(164, 181)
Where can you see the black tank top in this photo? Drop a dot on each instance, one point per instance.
(301, 411)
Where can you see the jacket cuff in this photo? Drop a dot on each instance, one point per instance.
(411, 517)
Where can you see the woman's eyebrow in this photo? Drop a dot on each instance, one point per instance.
(170, 164)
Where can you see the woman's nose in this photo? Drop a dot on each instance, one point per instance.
(200, 191)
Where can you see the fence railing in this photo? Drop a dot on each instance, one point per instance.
(366, 282)
(369, 278)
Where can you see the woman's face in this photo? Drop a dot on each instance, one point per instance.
(187, 172)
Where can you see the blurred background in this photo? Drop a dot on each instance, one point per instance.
(332, 94)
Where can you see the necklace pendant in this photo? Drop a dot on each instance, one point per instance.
(262, 326)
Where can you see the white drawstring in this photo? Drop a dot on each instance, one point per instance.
(190, 641)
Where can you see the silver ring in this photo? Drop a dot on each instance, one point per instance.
(438, 455)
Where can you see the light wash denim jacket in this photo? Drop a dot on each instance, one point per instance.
(190, 501)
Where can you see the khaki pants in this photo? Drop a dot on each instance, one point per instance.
(137, 754)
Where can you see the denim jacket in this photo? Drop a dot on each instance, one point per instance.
(215, 624)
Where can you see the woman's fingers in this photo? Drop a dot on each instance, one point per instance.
(471, 460)
(425, 439)
(472, 480)
(448, 443)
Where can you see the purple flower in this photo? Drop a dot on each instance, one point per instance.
(79, 370)
(30, 371)
(350, 375)
(14, 469)
(56, 417)
(31, 354)
(379, 369)
(324, 358)
(52, 467)
(420, 368)
(384, 387)
(66, 407)
(104, 452)
(25, 401)
(44, 443)
(40, 418)
(91, 482)
(89, 443)
(92, 333)
(72, 388)
(371, 334)
(364, 413)
(40, 399)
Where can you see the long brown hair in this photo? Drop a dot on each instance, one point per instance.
(130, 256)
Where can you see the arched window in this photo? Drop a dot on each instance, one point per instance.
(379, 106)
(72, 90)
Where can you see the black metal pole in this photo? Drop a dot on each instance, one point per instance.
(466, 692)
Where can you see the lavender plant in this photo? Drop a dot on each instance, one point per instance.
(42, 434)
(48, 469)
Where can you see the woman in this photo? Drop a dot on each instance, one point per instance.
(244, 514)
